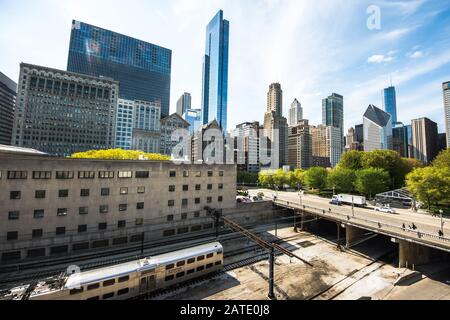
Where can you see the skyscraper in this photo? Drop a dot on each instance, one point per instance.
(377, 129)
(143, 69)
(390, 103)
(300, 146)
(327, 144)
(194, 118)
(400, 139)
(215, 72)
(446, 89)
(275, 125)
(61, 112)
(183, 103)
(425, 138)
(8, 93)
(333, 113)
(295, 113)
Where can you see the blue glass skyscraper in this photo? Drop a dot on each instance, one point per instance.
(215, 72)
(390, 103)
(143, 69)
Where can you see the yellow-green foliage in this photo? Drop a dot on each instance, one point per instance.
(119, 154)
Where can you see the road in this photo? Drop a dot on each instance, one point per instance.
(427, 226)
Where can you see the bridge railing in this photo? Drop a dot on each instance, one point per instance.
(377, 225)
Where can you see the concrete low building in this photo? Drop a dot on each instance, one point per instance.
(53, 206)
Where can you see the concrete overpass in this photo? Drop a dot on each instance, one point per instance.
(416, 246)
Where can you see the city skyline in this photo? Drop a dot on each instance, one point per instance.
(408, 49)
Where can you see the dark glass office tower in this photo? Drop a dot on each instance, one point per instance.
(143, 69)
(215, 72)
(390, 103)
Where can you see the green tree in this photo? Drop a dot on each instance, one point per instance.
(443, 160)
(430, 185)
(295, 178)
(266, 178)
(244, 177)
(389, 161)
(341, 180)
(371, 181)
(316, 178)
(279, 178)
(351, 160)
(120, 154)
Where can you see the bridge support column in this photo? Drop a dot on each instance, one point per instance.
(352, 234)
(413, 254)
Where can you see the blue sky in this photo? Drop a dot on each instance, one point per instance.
(313, 48)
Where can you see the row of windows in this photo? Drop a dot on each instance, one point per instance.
(191, 271)
(64, 193)
(191, 260)
(15, 175)
(185, 202)
(198, 187)
(104, 284)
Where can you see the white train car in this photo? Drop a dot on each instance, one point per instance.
(131, 279)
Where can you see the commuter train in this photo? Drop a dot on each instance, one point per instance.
(127, 280)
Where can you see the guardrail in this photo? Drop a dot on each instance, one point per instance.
(378, 226)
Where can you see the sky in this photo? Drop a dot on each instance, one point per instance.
(312, 48)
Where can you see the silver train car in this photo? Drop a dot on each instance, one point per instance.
(132, 279)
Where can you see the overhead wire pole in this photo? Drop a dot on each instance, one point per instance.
(270, 247)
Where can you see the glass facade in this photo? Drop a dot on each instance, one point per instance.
(390, 103)
(215, 72)
(333, 112)
(7, 103)
(194, 118)
(124, 125)
(143, 69)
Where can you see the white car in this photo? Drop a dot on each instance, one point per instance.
(385, 209)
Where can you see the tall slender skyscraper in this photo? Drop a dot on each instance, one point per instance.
(333, 113)
(215, 72)
(143, 69)
(446, 89)
(295, 113)
(8, 93)
(275, 99)
(184, 103)
(390, 103)
(424, 139)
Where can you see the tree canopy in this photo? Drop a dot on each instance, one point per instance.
(371, 181)
(316, 178)
(341, 180)
(119, 154)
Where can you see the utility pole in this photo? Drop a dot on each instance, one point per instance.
(353, 206)
(217, 216)
(442, 221)
(271, 294)
(142, 243)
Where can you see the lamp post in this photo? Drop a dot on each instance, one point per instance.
(442, 221)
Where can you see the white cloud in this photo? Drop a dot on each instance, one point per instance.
(382, 58)
(415, 54)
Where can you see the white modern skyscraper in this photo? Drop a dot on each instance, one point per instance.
(377, 129)
(446, 89)
(295, 113)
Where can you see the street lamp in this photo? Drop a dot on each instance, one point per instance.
(442, 221)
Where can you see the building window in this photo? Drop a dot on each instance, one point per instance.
(83, 210)
(82, 228)
(102, 226)
(63, 193)
(104, 209)
(12, 235)
(105, 192)
(185, 187)
(170, 217)
(184, 216)
(13, 215)
(220, 186)
(198, 187)
(172, 173)
(84, 193)
(86, 174)
(62, 212)
(64, 174)
(123, 190)
(38, 214)
(185, 174)
(140, 205)
(106, 174)
(123, 291)
(14, 195)
(184, 202)
(210, 173)
(60, 231)
(169, 233)
(122, 207)
(198, 174)
(210, 186)
(142, 174)
(42, 174)
(220, 173)
(209, 200)
(141, 190)
(197, 200)
(196, 214)
(39, 194)
(139, 221)
(14, 175)
(125, 174)
(220, 199)
(121, 224)
(171, 188)
(37, 233)
(171, 203)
